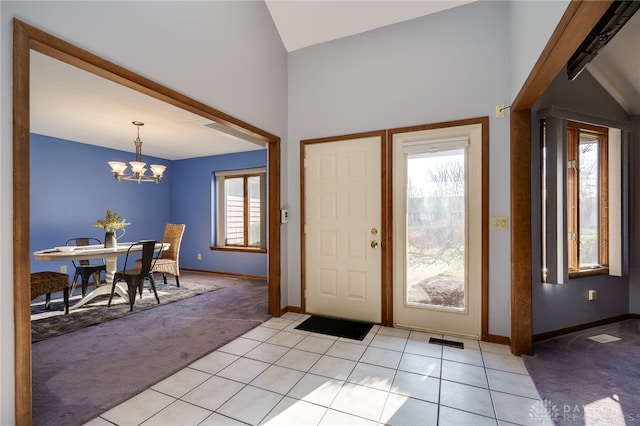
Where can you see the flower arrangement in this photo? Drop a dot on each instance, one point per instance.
(111, 221)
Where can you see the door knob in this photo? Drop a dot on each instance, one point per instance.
(374, 244)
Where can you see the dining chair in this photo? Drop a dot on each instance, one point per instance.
(135, 277)
(168, 263)
(86, 268)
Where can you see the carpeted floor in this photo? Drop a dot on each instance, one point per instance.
(79, 375)
(585, 382)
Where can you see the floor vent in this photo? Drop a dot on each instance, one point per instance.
(445, 342)
(604, 338)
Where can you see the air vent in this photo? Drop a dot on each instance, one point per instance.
(236, 134)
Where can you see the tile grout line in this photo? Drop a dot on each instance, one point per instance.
(323, 352)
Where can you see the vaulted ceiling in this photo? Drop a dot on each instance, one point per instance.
(75, 105)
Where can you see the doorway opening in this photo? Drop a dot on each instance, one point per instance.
(26, 38)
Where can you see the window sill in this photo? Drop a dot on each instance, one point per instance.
(238, 249)
(599, 270)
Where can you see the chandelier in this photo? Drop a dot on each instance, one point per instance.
(137, 167)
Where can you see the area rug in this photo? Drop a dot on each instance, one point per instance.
(586, 382)
(348, 329)
(46, 324)
(79, 375)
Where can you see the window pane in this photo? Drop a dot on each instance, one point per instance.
(589, 203)
(234, 214)
(254, 210)
(436, 230)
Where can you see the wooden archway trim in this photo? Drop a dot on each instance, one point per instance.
(574, 26)
(27, 37)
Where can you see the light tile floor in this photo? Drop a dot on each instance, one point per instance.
(277, 375)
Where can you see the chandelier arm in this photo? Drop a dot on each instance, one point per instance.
(137, 167)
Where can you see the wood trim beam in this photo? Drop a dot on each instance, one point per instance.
(274, 237)
(521, 238)
(574, 26)
(66, 52)
(576, 23)
(21, 238)
(387, 234)
(485, 230)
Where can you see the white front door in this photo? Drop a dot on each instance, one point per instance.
(342, 224)
(438, 230)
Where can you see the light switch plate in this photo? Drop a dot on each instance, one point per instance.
(500, 223)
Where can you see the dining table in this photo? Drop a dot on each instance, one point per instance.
(109, 254)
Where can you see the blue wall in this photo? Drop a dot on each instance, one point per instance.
(71, 186)
(193, 203)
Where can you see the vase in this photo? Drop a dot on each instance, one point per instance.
(110, 238)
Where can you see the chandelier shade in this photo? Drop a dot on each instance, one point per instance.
(138, 167)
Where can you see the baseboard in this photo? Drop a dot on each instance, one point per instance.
(501, 340)
(227, 274)
(580, 327)
(295, 309)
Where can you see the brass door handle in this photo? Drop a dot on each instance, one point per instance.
(374, 244)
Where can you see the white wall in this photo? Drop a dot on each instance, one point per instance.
(225, 54)
(531, 25)
(447, 66)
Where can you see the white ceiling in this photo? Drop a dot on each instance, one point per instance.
(306, 23)
(75, 105)
(72, 104)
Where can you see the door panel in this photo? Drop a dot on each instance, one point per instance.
(438, 230)
(342, 205)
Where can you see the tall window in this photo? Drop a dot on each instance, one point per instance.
(587, 197)
(584, 177)
(241, 208)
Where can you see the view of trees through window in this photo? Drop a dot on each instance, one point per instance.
(587, 196)
(589, 206)
(436, 229)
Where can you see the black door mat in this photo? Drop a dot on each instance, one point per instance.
(445, 342)
(348, 329)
